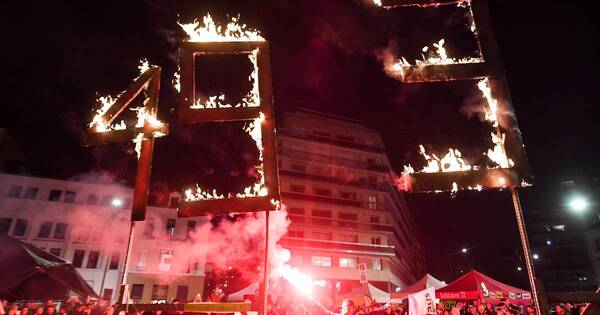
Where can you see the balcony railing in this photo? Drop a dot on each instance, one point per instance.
(303, 155)
(338, 142)
(335, 180)
(332, 245)
(344, 224)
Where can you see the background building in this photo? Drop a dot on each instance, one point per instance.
(336, 182)
(87, 224)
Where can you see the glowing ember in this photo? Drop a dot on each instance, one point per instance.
(258, 189)
(252, 99)
(211, 32)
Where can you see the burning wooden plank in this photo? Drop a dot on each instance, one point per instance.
(446, 72)
(415, 3)
(463, 180)
(223, 206)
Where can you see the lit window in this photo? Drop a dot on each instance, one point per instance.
(166, 260)
(376, 264)
(142, 261)
(323, 261)
(346, 262)
(372, 202)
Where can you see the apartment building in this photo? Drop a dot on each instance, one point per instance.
(88, 225)
(337, 186)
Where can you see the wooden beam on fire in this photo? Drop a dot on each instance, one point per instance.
(465, 180)
(445, 72)
(224, 206)
(417, 3)
(91, 138)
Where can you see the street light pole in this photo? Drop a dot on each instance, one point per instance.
(526, 250)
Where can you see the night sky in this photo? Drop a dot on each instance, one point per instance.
(56, 55)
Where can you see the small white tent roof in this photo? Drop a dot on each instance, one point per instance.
(426, 282)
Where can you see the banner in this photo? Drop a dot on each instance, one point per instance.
(422, 303)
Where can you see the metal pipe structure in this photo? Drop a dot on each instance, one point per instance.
(526, 250)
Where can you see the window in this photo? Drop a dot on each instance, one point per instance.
(346, 262)
(45, 229)
(191, 227)
(92, 199)
(298, 211)
(372, 202)
(78, 258)
(84, 233)
(376, 264)
(55, 251)
(54, 195)
(60, 231)
(115, 257)
(171, 227)
(298, 167)
(326, 236)
(323, 261)
(107, 294)
(323, 191)
(98, 234)
(5, 224)
(92, 261)
(349, 238)
(174, 202)
(320, 133)
(69, 196)
(149, 227)
(15, 191)
(296, 233)
(31, 193)
(298, 188)
(106, 200)
(376, 240)
(182, 293)
(374, 219)
(137, 292)
(347, 195)
(166, 260)
(159, 292)
(345, 138)
(322, 213)
(347, 216)
(142, 261)
(20, 227)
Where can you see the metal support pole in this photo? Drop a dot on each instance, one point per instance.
(526, 251)
(266, 266)
(122, 292)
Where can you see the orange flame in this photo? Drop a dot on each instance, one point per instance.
(211, 32)
(258, 189)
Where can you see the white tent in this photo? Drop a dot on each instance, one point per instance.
(367, 290)
(426, 282)
(238, 296)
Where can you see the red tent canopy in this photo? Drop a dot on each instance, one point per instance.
(477, 286)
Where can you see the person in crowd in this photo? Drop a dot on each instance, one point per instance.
(473, 310)
(529, 310)
(24, 310)
(50, 310)
(560, 309)
(39, 311)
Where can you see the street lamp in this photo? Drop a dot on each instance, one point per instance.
(464, 250)
(536, 256)
(579, 204)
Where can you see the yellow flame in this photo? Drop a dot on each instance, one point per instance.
(378, 3)
(144, 65)
(99, 123)
(257, 189)
(211, 32)
(252, 99)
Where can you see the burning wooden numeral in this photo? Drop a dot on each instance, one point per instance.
(256, 107)
(451, 172)
(103, 131)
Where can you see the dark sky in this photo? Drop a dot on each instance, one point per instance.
(56, 55)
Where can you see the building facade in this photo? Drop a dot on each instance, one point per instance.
(88, 224)
(337, 186)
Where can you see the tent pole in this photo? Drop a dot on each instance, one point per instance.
(526, 250)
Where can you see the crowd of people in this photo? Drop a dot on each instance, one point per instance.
(347, 307)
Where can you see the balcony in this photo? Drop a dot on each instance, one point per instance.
(342, 224)
(334, 180)
(340, 246)
(337, 142)
(303, 155)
